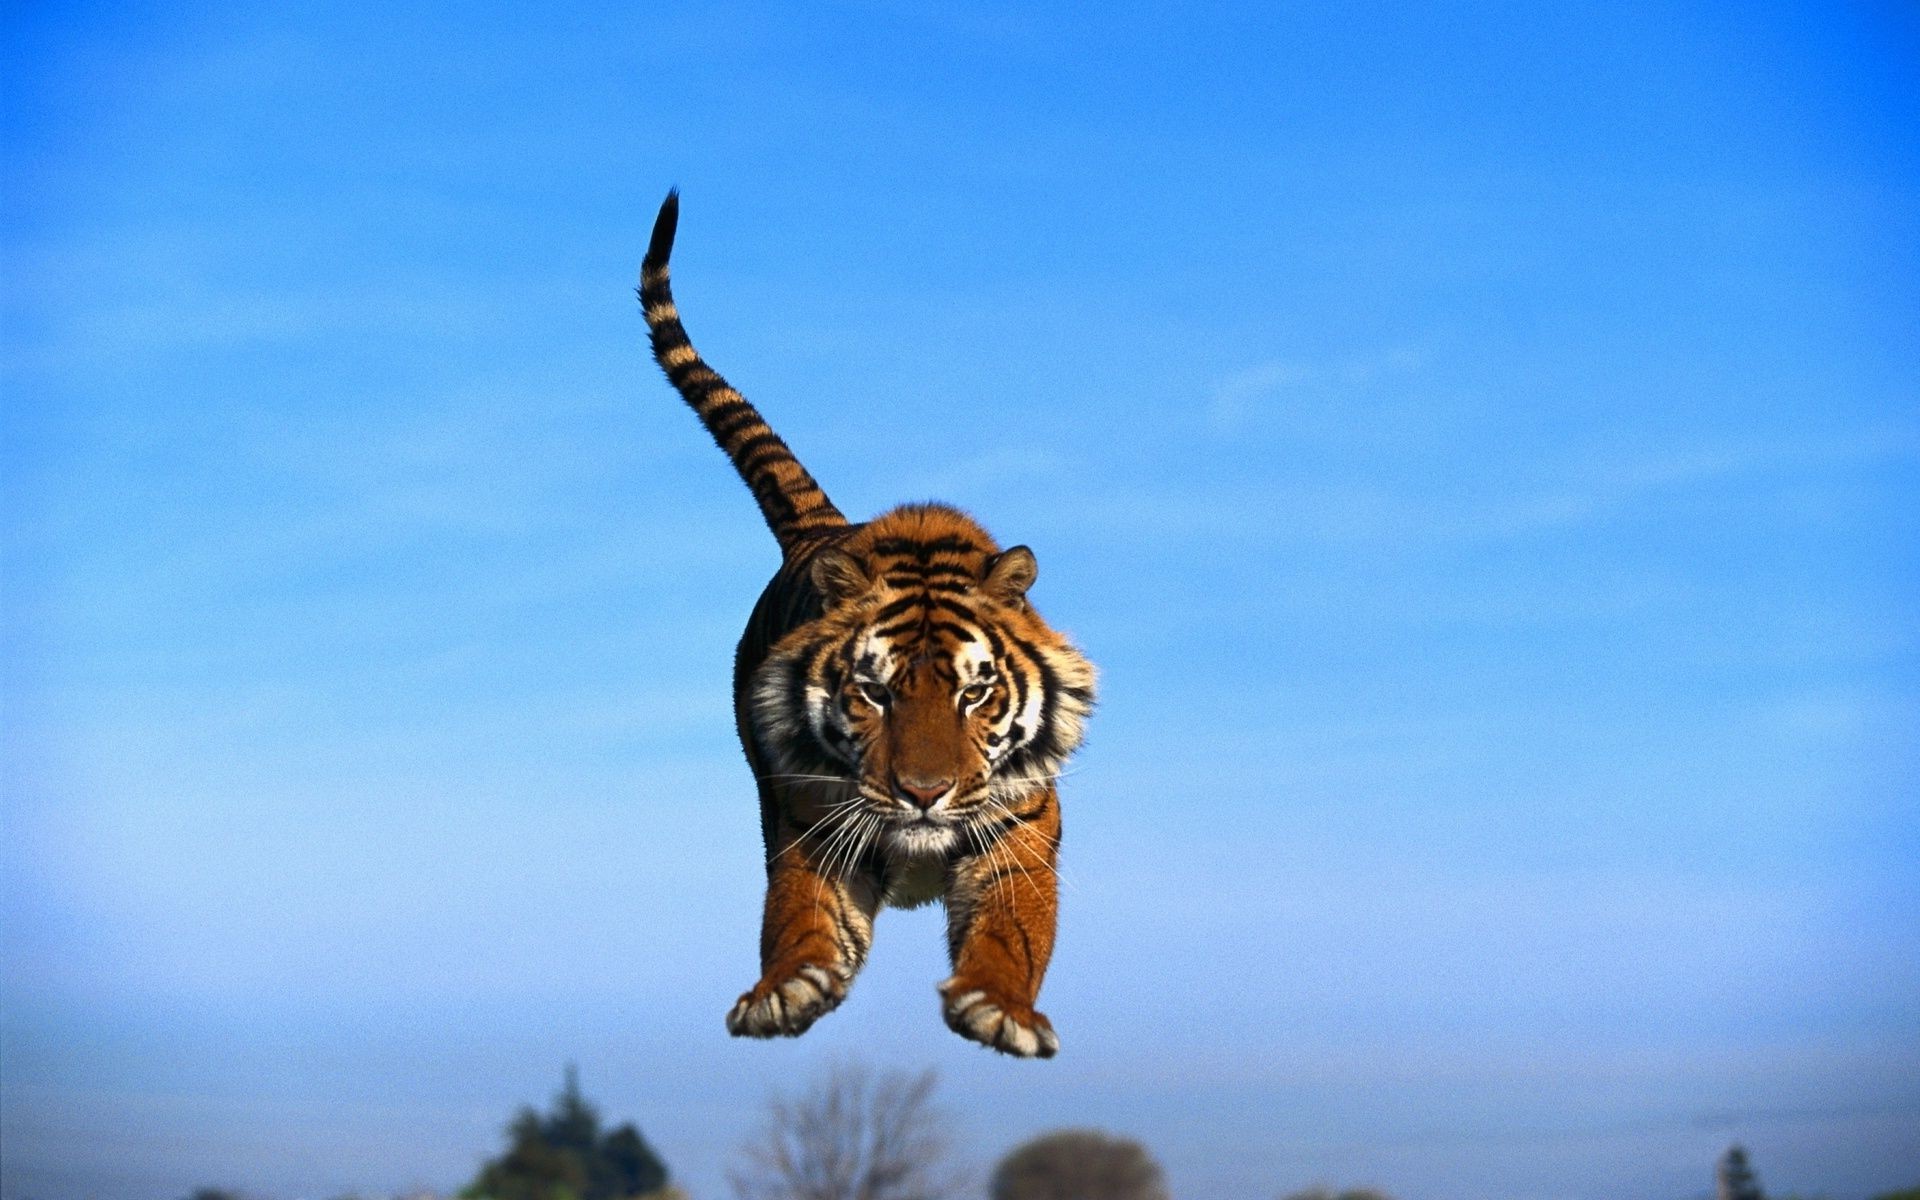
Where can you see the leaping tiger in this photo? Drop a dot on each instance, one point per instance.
(906, 714)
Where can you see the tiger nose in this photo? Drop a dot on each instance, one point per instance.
(923, 795)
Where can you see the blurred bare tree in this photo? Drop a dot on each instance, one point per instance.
(853, 1136)
(1079, 1164)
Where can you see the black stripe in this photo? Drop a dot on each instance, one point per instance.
(816, 657)
(660, 244)
(1016, 733)
(759, 441)
(797, 692)
(1043, 736)
(682, 374)
(924, 551)
(1043, 801)
(994, 935)
(894, 608)
(929, 585)
(929, 572)
(1026, 946)
(763, 461)
(774, 505)
(993, 639)
(729, 417)
(942, 604)
(998, 827)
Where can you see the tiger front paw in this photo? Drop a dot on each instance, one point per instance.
(786, 1006)
(997, 1022)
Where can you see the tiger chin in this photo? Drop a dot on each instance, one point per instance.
(906, 714)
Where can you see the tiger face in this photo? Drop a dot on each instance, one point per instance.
(928, 685)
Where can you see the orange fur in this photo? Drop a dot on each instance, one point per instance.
(905, 712)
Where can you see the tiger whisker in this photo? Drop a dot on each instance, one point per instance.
(991, 849)
(864, 829)
(1003, 855)
(976, 833)
(856, 846)
(829, 871)
(836, 810)
(874, 827)
(1064, 881)
(1043, 778)
(1061, 877)
(830, 853)
(851, 847)
(843, 851)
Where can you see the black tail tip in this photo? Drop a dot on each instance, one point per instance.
(660, 246)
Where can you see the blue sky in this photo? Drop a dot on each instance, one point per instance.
(1478, 443)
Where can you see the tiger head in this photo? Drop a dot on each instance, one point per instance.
(928, 682)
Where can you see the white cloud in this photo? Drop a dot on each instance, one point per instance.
(1312, 392)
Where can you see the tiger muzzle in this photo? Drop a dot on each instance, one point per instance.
(920, 794)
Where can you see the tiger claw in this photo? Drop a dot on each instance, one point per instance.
(996, 1022)
(787, 1007)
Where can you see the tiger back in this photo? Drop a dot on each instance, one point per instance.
(906, 713)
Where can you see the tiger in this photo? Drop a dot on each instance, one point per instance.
(906, 715)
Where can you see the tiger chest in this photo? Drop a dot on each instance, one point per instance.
(912, 882)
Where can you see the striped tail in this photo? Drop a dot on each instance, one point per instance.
(790, 500)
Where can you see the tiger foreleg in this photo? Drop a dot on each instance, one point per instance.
(1002, 905)
(814, 936)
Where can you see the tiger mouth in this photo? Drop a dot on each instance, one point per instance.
(951, 809)
(948, 814)
(923, 837)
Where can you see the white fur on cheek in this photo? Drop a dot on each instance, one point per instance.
(819, 707)
(775, 726)
(871, 646)
(1029, 714)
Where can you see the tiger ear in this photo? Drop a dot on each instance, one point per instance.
(1010, 573)
(838, 576)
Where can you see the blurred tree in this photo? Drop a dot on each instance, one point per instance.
(564, 1156)
(573, 1124)
(1079, 1164)
(1734, 1179)
(852, 1137)
(626, 1166)
(1912, 1193)
(1323, 1193)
